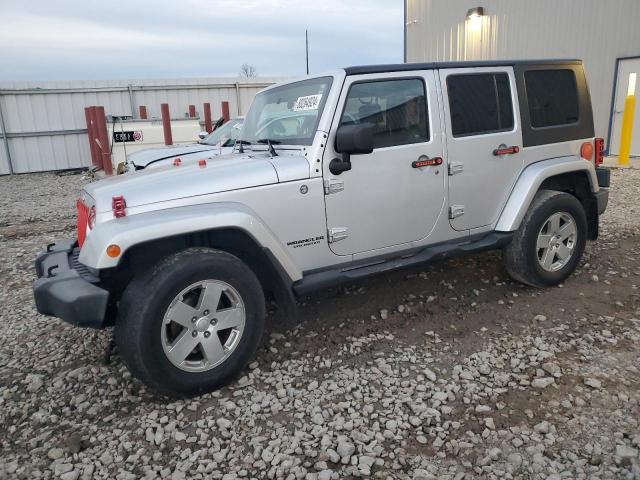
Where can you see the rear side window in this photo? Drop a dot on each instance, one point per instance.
(479, 103)
(552, 97)
(397, 109)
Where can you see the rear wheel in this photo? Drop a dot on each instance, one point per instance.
(548, 246)
(190, 324)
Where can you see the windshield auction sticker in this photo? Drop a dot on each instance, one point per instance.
(310, 102)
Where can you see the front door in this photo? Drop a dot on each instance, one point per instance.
(386, 199)
(483, 142)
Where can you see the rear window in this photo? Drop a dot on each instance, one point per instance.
(552, 97)
(479, 103)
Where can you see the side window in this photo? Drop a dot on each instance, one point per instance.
(479, 103)
(552, 97)
(396, 108)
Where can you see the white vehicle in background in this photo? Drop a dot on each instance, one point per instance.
(218, 142)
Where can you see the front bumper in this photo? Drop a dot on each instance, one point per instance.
(67, 289)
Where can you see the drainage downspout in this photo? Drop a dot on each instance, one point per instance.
(5, 137)
(238, 105)
(131, 102)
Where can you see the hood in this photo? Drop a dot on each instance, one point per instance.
(220, 174)
(142, 158)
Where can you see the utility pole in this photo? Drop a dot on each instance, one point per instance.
(306, 41)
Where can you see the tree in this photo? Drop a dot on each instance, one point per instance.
(248, 71)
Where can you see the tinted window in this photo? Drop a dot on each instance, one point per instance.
(479, 103)
(396, 108)
(552, 97)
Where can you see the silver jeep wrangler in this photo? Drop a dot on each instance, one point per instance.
(334, 177)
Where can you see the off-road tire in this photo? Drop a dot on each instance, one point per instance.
(520, 255)
(145, 302)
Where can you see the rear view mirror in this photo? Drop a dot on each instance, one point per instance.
(351, 140)
(203, 135)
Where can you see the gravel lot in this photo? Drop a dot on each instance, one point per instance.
(450, 372)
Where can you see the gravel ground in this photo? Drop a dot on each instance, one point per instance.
(450, 372)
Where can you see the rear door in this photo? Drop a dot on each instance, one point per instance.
(386, 199)
(484, 140)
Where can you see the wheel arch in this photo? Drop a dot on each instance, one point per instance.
(567, 174)
(236, 241)
(146, 237)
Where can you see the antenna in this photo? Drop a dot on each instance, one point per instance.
(306, 41)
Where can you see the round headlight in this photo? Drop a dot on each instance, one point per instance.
(91, 220)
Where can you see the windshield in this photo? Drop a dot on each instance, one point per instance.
(288, 114)
(226, 135)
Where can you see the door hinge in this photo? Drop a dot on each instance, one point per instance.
(337, 233)
(332, 187)
(456, 211)
(455, 168)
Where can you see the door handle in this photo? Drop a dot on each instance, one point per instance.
(425, 161)
(504, 150)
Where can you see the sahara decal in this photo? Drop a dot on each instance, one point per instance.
(305, 242)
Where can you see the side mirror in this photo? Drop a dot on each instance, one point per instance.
(351, 140)
(203, 135)
(355, 139)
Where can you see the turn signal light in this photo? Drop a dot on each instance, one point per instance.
(113, 251)
(202, 163)
(586, 151)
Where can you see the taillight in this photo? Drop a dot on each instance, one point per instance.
(586, 151)
(599, 148)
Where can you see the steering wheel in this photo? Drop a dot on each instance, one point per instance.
(278, 129)
(351, 118)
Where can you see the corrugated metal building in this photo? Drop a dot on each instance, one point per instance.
(45, 122)
(604, 34)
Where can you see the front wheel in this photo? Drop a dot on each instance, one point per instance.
(549, 243)
(191, 323)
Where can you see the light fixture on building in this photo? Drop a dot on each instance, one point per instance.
(475, 12)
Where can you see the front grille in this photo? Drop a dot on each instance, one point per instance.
(82, 270)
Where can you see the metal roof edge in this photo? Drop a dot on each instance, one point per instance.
(404, 67)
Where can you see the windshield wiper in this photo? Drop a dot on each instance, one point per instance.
(271, 143)
(241, 143)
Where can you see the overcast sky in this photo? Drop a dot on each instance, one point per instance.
(87, 39)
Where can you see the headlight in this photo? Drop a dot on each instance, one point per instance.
(91, 218)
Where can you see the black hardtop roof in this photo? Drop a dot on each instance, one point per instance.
(406, 67)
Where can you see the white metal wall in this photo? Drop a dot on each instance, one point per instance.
(46, 126)
(595, 31)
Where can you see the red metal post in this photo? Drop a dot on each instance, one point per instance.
(103, 137)
(192, 111)
(143, 112)
(225, 111)
(208, 126)
(166, 124)
(91, 134)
